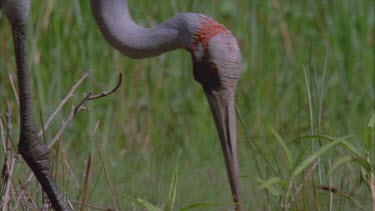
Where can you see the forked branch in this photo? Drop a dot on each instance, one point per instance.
(74, 111)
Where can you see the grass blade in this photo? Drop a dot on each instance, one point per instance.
(339, 162)
(284, 147)
(300, 155)
(370, 133)
(173, 185)
(343, 143)
(144, 203)
(309, 160)
(268, 184)
(313, 157)
(364, 163)
(203, 205)
(351, 148)
(371, 122)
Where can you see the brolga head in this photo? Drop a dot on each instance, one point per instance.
(217, 67)
(216, 58)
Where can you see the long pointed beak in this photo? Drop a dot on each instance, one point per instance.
(223, 111)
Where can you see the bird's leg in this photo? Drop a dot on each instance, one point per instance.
(32, 149)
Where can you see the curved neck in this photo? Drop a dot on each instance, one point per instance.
(120, 30)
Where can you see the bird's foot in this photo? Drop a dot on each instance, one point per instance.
(36, 155)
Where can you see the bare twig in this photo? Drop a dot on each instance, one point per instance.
(8, 165)
(340, 193)
(8, 115)
(81, 106)
(28, 202)
(23, 190)
(6, 196)
(2, 136)
(69, 95)
(106, 93)
(70, 118)
(8, 140)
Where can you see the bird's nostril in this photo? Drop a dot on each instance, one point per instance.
(213, 69)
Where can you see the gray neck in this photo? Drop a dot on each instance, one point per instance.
(120, 30)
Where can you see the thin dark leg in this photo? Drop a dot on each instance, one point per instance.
(32, 149)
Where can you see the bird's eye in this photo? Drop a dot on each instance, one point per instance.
(213, 68)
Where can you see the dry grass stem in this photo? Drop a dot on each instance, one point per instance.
(71, 173)
(330, 186)
(14, 89)
(94, 207)
(312, 168)
(284, 31)
(86, 184)
(372, 187)
(114, 195)
(2, 135)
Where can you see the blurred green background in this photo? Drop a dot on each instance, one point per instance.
(289, 49)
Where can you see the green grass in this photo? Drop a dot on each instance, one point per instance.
(308, 69)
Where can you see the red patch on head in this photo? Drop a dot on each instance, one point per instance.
(205, 32)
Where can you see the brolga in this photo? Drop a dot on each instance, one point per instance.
(216, 62)
(216, 66)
